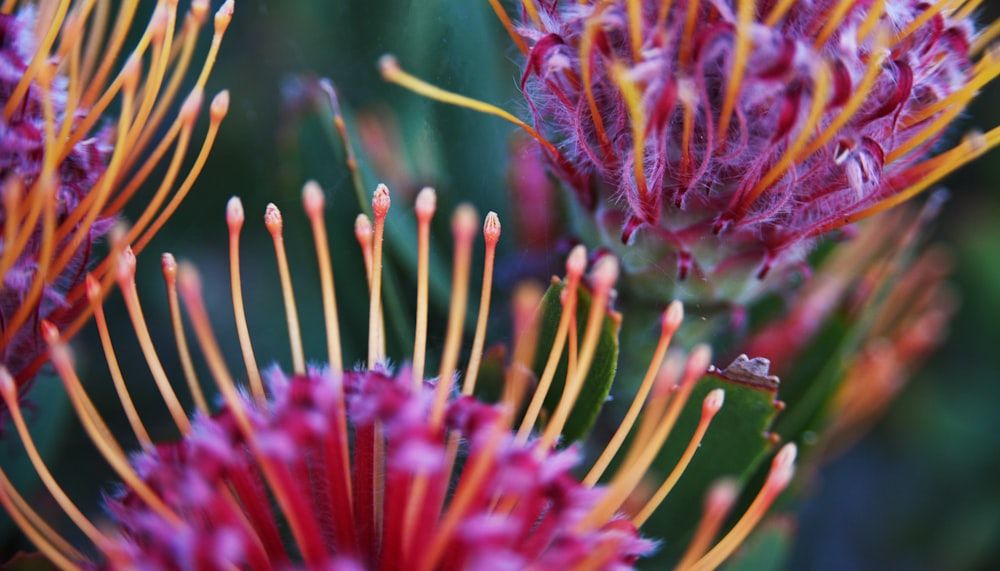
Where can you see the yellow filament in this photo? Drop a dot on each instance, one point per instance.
(662, 13)
(922, 19)
(392, 73)
(183, 350)
(235, 218)
(778, 12)
(930, 130)
(629, 475)
(38, 61)
(605, 271)
(34, 527)
(426, 204)
(376, 339)
(633, 101)
(946, 163)
(177, 74)
(525, 300)
(491, 231)
(154, 79)
(985, 71)
(107, 279)
(9, 394)
(109, 53)
(741, 53)
(965, 11)
(219, 108)
(96, 110)
(871, 20)
(314, 202)
(678, 469)
(101, 436)
(94, 36)
(985, 38)
(635, 28)
(90, 207)
(47, 187)
(473, 477)
(728, 544)
(509, 26)
(625, 426)
(538, 398)
(857, 98)
(819, 99)
(274, 224)
(687, 39)
(586, 53)
(134, 419)
(833, 20)
(166, 182)
(190, 285)
(532, 11)
(464, 222)
(715, 512)
(13, 189)
(127, 285)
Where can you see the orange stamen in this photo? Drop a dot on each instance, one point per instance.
(463, 227)
(134, 419)
(314, 201)
(603, 278)
(782, 470)
(169, 266)
(712, 404)
(274, 224)
(126, 283)
(576, 263)
(491, 233)
(425, 206)
(670, 322)
(235, 217)
(509, 26)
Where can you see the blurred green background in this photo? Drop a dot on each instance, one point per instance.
(920, 492)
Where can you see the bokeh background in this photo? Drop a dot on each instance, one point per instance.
(919, 492)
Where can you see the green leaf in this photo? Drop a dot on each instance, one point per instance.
(735, 444)
(602, 370)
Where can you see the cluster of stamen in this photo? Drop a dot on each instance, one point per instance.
(362, 467)
(64, 176)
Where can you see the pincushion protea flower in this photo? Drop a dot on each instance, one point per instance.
(65, 176)
(710, 143)
(327, 468)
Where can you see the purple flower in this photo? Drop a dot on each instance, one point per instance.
(381, 468)
(65, 175)
(710, 144)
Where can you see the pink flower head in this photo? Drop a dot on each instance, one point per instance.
(378, 468)
(715, 141)
(711, 143)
